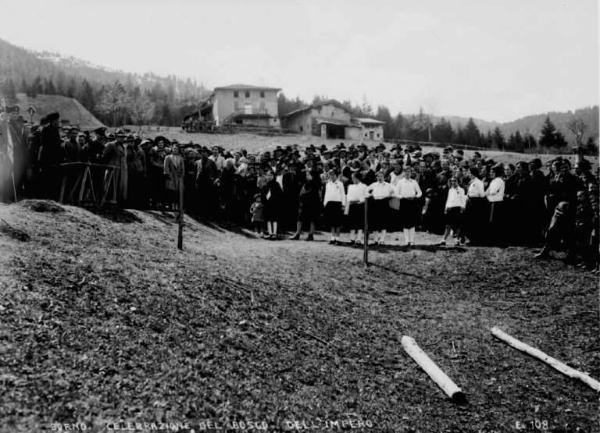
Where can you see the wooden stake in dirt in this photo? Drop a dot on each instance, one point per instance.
(554, 363)
(366, 236)
(434, 372)
(180, 228)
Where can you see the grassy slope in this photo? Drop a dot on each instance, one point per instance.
(104, 321)
(69, 108)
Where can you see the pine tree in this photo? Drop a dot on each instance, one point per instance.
(471, 133)
(549, 135)
(498, 140)
(9, 90)
(442, 131)
(49, 88)
(86, 95)
(529, 141)
(519, 142)
(36, 87)
(23, 88)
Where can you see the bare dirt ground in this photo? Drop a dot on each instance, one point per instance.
(102, 319)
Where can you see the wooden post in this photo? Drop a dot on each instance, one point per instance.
(554, 363)
(366, 235)
(180, 229)
(434, 372)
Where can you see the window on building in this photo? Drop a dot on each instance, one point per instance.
(377, 135)
(262, 94)
(301, 128)
(235, 94)
(247, 94)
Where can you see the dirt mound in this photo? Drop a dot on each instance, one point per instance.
(70, 109)
(42, 206)
(14, 233)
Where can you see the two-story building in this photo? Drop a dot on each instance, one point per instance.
(242, 104)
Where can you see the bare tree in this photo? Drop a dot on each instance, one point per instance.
(141, 108)
(577, 126)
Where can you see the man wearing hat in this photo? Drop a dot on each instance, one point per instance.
(115, 154)
(51, 155)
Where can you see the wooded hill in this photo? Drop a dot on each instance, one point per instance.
(147, 97)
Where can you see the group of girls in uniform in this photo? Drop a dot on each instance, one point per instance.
(390, 206)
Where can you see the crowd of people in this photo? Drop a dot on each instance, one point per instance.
(472, 200)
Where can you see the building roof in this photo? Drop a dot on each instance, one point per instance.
(310, 107)
(252, 116)
(246, 87)
(337, 122)
(367, 120)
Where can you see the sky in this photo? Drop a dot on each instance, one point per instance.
(493, 59)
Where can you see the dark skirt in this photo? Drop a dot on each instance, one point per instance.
(475, 220)
(272, 210)
(454, 217)
(409, 212)
(379, 214)
(309, 210)
(356, 216)
(334, 214)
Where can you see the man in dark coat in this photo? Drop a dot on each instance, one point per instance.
(563, 187)
(51, 155)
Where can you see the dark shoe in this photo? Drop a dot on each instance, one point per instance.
(353, 242)
(310, 238)
(542, 255)
(332, 242)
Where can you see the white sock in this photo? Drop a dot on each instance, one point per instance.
(411, 235)
(383, 233)
(406, 236)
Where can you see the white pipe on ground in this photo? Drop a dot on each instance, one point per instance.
(554, 363)
(434, 372)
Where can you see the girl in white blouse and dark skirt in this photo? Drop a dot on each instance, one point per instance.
(495, 195)
(355, 207)
(455, 206)
(408, 191)
(379, 211)
(334, 202)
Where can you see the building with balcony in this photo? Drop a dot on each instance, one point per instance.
(242, 104)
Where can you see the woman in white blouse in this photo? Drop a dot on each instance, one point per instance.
(379, 214)
(408, 191)
(475, 212)
(495, 196)
(334, 201)
(453, 211)
(355, 207)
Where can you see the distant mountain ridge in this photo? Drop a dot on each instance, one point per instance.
(533, 123)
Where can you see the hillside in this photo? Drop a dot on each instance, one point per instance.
(102, 320)
(22, 64)
(69, 108)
